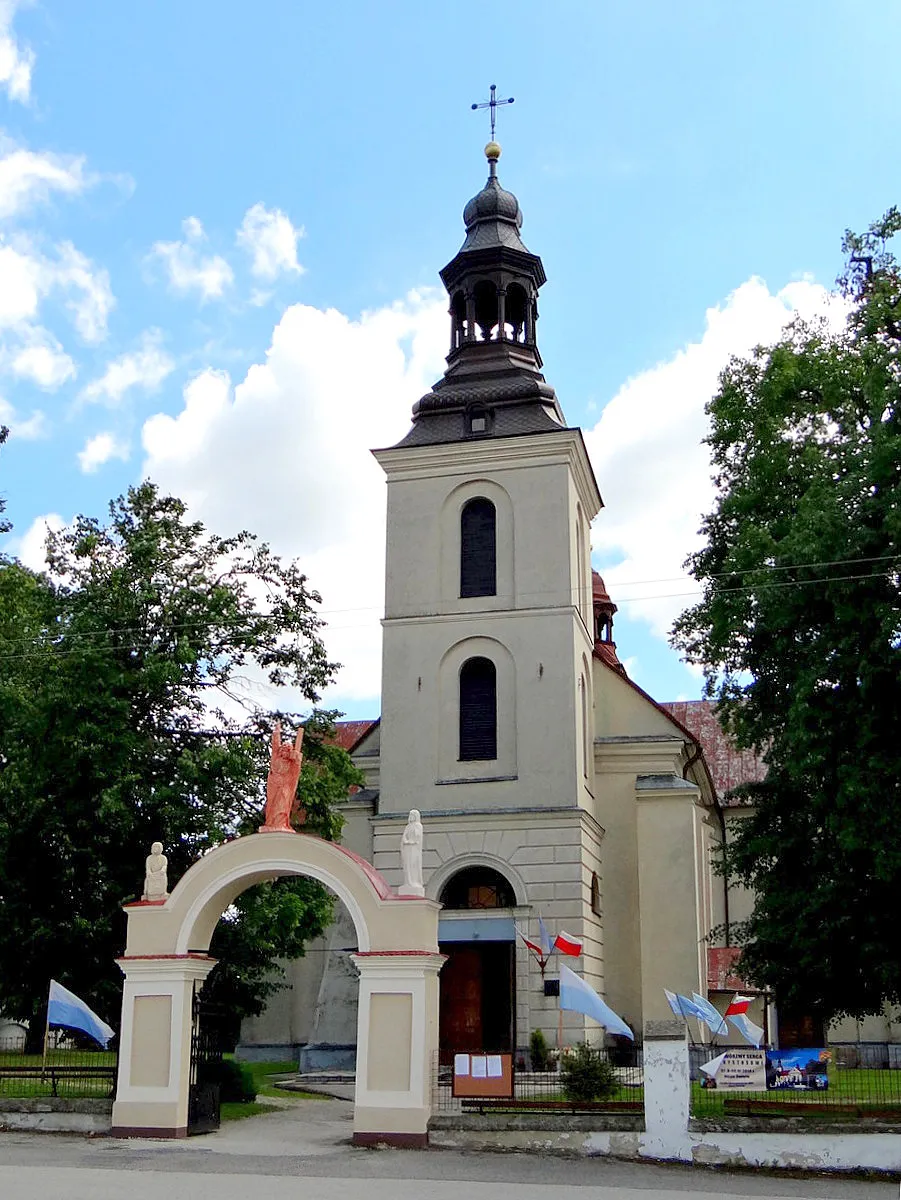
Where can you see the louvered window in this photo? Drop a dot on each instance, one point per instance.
(478, 548)
(478, 710)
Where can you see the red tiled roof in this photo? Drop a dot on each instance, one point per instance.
(349, 733)
(728, 766)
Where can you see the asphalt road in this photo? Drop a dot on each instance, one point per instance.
(305, 1152)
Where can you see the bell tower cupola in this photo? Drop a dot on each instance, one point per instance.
(493, 386)
(493, 280)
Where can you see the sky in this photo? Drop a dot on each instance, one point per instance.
(221, 227)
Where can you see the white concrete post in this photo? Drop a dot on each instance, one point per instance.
(667, 1091)
(397, 1042)
(155, 1044)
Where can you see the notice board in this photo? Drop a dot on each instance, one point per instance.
(483, 1075)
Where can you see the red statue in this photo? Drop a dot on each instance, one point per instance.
(281, 785)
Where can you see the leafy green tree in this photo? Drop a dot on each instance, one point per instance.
(799, 631)
(120, 676)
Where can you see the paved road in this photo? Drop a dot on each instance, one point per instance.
(304, 1152)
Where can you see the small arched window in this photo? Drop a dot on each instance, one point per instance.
(478, 887)
(596, 894)
(478, 548)
(478, 710)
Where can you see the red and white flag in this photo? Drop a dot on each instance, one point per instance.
(739, 1005)
(565, 943)
(533, 946)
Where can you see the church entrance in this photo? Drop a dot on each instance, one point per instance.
(477, 983)
(476, 1004)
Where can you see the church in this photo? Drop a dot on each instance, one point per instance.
(549, 783)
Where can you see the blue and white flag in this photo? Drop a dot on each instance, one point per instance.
(709, 1015)
(545, 938)
(65, 1008)
(578, 996)
(749, 1031)
(682, 1006)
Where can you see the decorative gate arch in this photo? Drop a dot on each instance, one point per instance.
(166, 956)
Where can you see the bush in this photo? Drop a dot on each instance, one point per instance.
(236, 1082)
(587, 1075)
(538, 1051)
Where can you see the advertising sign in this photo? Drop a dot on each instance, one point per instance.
(743, 1070)
(762, 1070)
(799, 1070)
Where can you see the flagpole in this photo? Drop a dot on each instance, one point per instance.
(46, 1038)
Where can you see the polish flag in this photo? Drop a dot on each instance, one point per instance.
(533, 946)
(565, 943)
(739, 1005)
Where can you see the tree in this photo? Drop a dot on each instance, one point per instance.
(119, 687)
(799, 631)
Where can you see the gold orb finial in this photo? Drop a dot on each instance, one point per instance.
(492, 151)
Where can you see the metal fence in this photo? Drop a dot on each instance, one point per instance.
(549, 1091)
(67, 1070)
(844, 1084)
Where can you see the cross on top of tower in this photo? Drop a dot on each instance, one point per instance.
(493, 104)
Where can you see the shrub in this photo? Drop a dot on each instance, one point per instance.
(538, 1051)
(587, 1075)
(236, 1082)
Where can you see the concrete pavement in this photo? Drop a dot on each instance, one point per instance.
(305, 1152)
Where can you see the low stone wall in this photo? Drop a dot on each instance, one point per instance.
(49, 1114)
(666, 1132)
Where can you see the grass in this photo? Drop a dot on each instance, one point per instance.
(76, 1087)
(263, 1073)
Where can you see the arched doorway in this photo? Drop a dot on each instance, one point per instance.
(167, 957)
(477, 986)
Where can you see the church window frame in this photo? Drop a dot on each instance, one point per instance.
(477, 710)
(596, 894)
(477, 888)
(478, 548)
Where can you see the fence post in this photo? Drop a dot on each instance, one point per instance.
(667, 1091)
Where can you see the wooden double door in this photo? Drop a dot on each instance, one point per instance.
(476, 999)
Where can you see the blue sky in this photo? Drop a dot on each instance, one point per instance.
(222, 223)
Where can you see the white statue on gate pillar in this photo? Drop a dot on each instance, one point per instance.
(155, 875)
(411, 856)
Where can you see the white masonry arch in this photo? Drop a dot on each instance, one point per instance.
(166, 957)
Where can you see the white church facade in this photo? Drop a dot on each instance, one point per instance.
(548, 782)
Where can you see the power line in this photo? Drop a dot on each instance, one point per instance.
(48, 644)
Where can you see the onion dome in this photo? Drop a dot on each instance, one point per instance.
(604, 608)
(493, 216)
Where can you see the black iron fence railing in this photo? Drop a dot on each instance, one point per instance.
(844, 1081)
(67, 1070)
(618, 1088)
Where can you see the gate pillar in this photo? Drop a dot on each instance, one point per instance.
(155, 1043)
(397, 1042)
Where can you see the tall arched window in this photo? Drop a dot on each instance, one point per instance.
(478, 710)
(478, 548)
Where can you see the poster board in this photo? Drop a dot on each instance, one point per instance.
(478, 1076)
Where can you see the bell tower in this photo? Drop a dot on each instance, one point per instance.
(489, 628)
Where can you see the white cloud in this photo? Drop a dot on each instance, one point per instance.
(653, 471)
(27, 275)
(43, 361)
(27, 177)
(145, 368)
(90, 308)
(16, 62)
(28, 429)
(99, 450)
(271, 240)
(30, 547)
(286, 454)
(187, 269)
